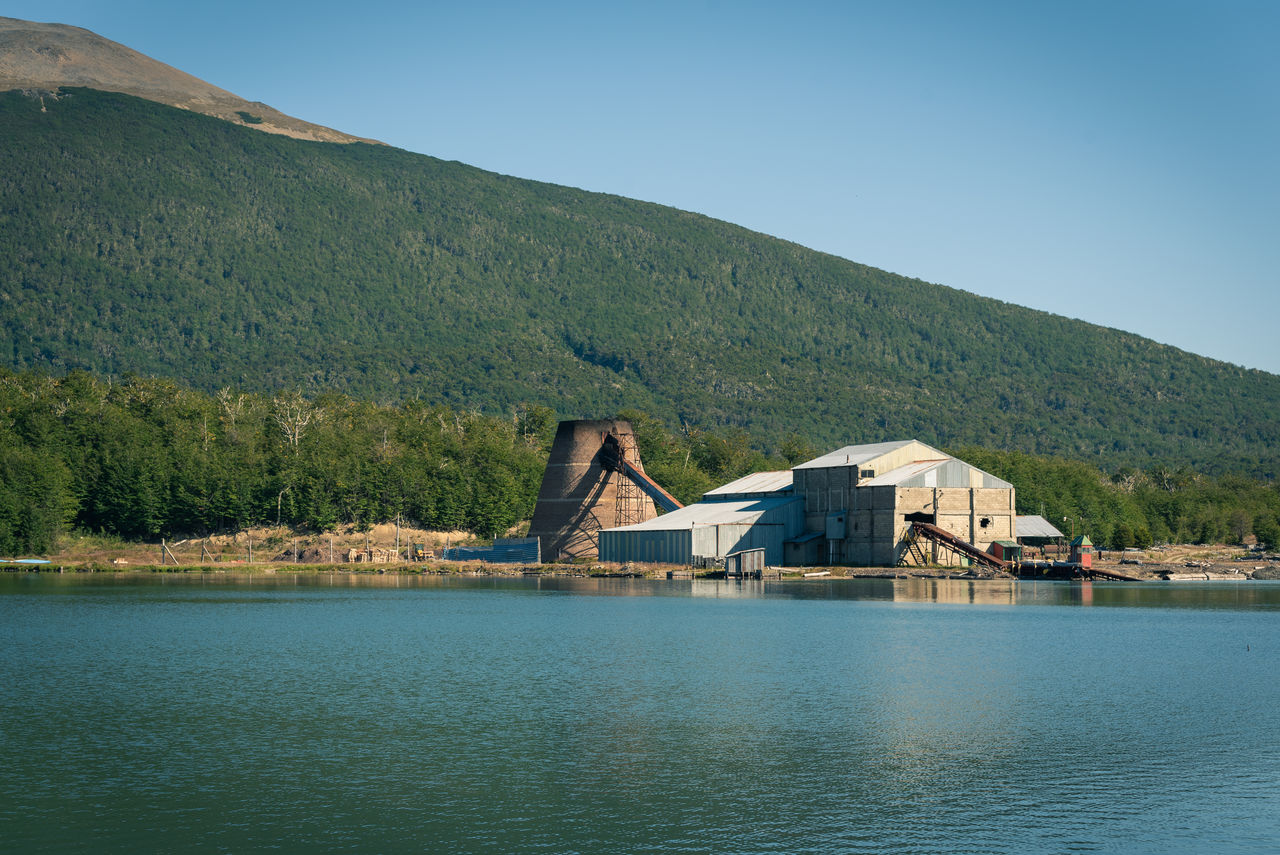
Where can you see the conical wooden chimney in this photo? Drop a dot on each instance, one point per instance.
(580, 492)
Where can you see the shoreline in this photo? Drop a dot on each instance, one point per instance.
(1262, 570)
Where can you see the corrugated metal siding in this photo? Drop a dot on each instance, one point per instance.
(954, 473)
(654, 547)
(791, 517)
(736, 537)
(772, 542)
(706, 540)
(680, 546)
(721, 540)
(515, 550)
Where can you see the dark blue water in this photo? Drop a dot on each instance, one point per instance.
(390, 714)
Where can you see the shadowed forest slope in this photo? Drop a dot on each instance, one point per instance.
(138, 238)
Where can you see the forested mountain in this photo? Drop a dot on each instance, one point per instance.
(137, 238)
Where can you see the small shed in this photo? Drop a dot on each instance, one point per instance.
(748, 562)
(1006, 550)
(1082, 551)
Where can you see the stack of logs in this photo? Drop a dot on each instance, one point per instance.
(374, 555)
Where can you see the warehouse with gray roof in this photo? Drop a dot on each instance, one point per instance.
(853, 506)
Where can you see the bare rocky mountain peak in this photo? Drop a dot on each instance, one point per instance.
(47, 57)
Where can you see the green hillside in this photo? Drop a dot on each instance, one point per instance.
(135, 238)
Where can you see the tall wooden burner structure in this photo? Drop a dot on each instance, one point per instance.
(594, 480)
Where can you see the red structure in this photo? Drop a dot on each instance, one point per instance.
(1082, 552)
(1007, 550)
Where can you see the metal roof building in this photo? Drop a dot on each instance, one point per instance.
(854, 505)
(864, 499)
(709, 530)
(1036, 527)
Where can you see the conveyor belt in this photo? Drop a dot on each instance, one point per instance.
(964, 547)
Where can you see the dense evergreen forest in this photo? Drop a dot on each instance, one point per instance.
(139, 239)
(145, 458)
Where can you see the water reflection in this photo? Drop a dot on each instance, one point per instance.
(995, 592)
(915, 590)
(1245, 595)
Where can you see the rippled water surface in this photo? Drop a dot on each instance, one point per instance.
(389, 714)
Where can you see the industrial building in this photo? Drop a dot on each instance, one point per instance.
(755, 512)
(854, 506)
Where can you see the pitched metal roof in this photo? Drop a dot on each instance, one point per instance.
(949, 472)
(1036, 526)
(755, 484)
(932, 468)
(896, 477)
(711, 513)
(807, 537)
(855, 455)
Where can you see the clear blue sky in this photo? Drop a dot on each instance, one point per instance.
(1113, 161)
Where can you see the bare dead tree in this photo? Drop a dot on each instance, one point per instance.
(292, 413)
(232, 405)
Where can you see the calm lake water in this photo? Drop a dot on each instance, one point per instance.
(388, 714)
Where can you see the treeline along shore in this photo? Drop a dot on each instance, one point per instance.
(146, 458)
